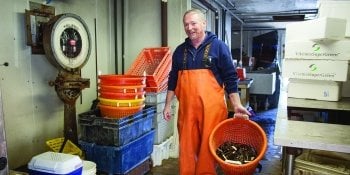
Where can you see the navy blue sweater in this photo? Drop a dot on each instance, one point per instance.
(221, 62)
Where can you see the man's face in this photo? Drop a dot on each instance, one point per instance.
(194, 26)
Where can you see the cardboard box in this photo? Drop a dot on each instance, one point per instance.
(336, 9)
(314, 89)
(263, 83)
(332, 70)
(338, 50)
(317, 29)
(345, 89)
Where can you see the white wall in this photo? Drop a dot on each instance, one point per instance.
(33, 112)
(176, 32)
(143, 26)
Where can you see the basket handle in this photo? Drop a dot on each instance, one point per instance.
(241, 116)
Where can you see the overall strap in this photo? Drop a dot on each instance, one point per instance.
(205, 60)
(184, 61)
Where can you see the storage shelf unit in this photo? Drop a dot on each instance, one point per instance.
(310, 135)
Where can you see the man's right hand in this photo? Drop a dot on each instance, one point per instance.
(166, 113)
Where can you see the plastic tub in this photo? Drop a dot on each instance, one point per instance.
(122, 103)
(122, 96)
(122, 89)
(118, 112)
(122, 80)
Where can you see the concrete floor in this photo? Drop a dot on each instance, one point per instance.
(271, 163)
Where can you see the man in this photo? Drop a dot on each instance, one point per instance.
(202, 69)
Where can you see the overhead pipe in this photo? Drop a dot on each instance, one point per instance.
(248, 21)
(232, 14)
(164, 22)
(116, 36)
(232, 5)
(281, 13)
(122, 34)
(257, 29)
(209, 6)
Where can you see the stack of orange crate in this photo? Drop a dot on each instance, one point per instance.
(156, 64)
(121, 95)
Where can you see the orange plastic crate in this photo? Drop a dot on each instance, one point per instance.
(155, 62)
(161, 87)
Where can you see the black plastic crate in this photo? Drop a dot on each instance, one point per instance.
(112, 131)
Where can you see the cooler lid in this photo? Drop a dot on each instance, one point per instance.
(57, 163)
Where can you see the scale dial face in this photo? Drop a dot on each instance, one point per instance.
(67, 42)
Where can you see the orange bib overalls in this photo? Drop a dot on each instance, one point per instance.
(201, 107)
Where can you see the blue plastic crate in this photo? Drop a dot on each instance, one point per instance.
(140, 169)
(122, 159)
(115, 132)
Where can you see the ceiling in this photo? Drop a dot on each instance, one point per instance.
(267, 14)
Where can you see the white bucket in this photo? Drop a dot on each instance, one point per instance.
(89, 168)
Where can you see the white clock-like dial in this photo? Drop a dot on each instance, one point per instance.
(67, 42)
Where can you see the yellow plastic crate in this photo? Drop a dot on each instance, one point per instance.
(69, 148)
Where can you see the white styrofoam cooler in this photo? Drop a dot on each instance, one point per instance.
(332, 70)
(53, 163)
(314, 89)
(263, 83)
(307, 49)
(162, 151)
(336, 9)
(89, 168)
(153, 98)
(325, 28)
(163, 129)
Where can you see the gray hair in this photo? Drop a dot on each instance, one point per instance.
(196, 11)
